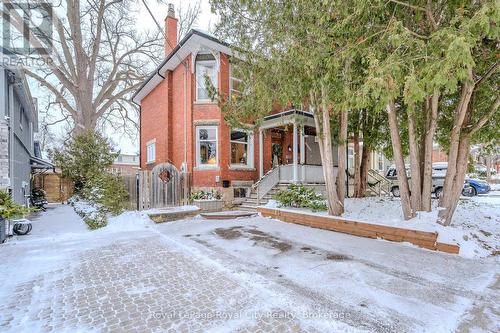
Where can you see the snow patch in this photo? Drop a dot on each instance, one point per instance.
(475, 227)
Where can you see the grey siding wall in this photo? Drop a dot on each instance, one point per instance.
(16, 137)
(4, 134)
(4, 155)
(23, 148)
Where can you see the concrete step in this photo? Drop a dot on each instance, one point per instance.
(247, 208)
(254, 203)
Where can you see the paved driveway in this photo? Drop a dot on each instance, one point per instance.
(244, 275)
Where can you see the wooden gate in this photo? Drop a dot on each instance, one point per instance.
(57, 189)
(164, 186)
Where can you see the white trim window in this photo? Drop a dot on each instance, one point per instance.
(206, 146)
(150, 152)
(205, 66)
(350, 157)
(380, 162)
(241, 148)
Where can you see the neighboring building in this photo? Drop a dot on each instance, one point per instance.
(180, 125)
(438, 154)
(125, 164)
(19, 152)
(378, 161)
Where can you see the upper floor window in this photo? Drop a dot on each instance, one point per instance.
(235, 84)
(205, 67)
(206, 146)
(241, 148)
(150, 152)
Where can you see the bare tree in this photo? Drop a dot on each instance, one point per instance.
(188, 17)
(96, 59)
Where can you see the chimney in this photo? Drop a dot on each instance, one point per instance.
(170, 30)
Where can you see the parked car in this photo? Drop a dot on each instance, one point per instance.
(478, 186)
(438, 175)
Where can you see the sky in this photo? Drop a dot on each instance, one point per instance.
(159, 8)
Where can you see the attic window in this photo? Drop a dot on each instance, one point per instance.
(205, 66)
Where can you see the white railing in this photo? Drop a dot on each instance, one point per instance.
(308, 174)
(286, 173)
(313, 174)
(378, 183)
(266, 183)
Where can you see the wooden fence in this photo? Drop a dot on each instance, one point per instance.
(57, 189)
(164, 186)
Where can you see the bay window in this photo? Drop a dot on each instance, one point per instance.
(206, 146)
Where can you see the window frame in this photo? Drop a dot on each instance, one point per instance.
(199, 165)
(380, 162)
(149, 145)
(350, 157)
(250, 149)
(215, 78)
(231, 79)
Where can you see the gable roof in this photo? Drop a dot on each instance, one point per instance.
(192, 42)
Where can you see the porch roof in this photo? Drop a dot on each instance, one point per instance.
(292, 116)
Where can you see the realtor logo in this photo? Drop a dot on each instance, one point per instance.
(27, 28)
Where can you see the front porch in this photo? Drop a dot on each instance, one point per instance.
(288, 153)
(288, 145)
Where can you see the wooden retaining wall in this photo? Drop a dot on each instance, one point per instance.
(423, 239)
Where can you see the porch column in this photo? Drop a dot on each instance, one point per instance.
(295, 154)
(302, 154)
(261, 153)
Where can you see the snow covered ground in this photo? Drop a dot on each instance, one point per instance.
(241, 275)
(475, 227)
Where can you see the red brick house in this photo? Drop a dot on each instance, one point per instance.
(180, 125)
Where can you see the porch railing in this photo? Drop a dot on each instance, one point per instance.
(267, 182)
(309, 174)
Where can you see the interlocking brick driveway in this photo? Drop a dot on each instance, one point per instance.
(133, 285)
(195, 276)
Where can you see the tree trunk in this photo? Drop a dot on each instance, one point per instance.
(488, 168)
(365, 166)
(431, 123)
(357, 163)
(450, 201)
(399, 161)
(416, 183)
(341, 184)
(447, 199)
(322, 122)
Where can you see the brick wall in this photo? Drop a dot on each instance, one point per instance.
(439, 155)
(154, 120)
(163, 120)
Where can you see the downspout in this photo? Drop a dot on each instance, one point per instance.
(185, 116)
(10, 82)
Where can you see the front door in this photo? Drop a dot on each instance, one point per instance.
(277, 147)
